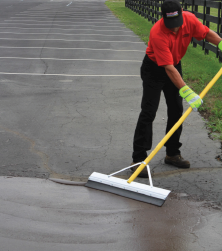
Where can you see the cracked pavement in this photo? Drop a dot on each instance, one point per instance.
(70, 98)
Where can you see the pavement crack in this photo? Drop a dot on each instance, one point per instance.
(41, 52)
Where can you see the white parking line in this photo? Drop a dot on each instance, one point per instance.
(68, 12)
(39, 21)
(65, 34)
(66, 40)
(69, 4)
(22, 28)
(62, 16)
(37, 17)
(58, 18)
(73, 10)
(64, 75)
(59, 14)
(73, 59)
(58, 48)
(78, 25)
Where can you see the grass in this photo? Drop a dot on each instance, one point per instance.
(136, 23)
(213, 12)
(198, 68)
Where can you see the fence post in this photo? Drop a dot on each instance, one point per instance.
(153, 11)
(204, 22)
(220, 30)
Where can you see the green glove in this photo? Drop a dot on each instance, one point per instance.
(220, 46)
(191, 97)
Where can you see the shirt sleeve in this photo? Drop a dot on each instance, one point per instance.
(162, 52)
(200, 30)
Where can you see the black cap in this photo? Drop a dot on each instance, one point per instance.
(172, 13)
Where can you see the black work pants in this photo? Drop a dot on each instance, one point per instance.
(155, 80)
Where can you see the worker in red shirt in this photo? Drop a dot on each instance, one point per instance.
(161, 71)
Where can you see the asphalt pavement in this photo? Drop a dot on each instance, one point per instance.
(70, 98)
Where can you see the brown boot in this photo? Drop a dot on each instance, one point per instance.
(142, 174)
(177, 161)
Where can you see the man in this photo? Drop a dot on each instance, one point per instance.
(161, 71)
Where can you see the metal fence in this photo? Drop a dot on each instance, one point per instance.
(209, 12)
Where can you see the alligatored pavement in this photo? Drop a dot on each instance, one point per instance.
(70, 95)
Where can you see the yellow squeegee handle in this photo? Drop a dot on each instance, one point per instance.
(173, 129)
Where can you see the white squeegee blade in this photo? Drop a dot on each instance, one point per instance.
(134, 190)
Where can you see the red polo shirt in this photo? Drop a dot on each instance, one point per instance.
(168, 48)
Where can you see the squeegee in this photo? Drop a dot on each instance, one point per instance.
(129, 188)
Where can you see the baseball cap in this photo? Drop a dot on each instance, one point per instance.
(172, 13)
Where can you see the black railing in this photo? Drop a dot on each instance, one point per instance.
(202, 9)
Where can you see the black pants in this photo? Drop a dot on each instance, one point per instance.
(155, 80)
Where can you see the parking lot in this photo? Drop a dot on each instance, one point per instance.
(60, 62)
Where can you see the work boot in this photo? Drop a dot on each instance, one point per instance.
(143, 173)
(177, 161)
